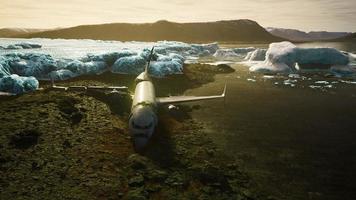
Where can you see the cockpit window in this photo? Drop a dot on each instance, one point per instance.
(141, 127)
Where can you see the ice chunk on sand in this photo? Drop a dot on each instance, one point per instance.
(129, 65)
(163, 68)
(31, 64)
(91, 67)
(17, 84)
(62, 74)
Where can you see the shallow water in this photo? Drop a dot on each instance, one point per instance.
(296, 142)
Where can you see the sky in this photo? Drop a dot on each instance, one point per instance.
(307, 15)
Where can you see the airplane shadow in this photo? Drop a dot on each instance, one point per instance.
(119, 103)
(161, 149)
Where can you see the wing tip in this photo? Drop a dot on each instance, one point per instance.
(224, 92)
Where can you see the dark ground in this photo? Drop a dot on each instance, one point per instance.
(57, 145)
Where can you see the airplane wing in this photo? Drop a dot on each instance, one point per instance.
(86, 88)
(182, 99)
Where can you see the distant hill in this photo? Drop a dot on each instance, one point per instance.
(14, 32)
(348, 38)
(297, 35)
(222, 31)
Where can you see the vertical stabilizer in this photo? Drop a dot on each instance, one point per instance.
(149, 60)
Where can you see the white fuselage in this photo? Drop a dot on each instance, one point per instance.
(144, 93)
(143, 118)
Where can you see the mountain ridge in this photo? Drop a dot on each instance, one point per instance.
(13, 32)
(298, 35)
(242, 30)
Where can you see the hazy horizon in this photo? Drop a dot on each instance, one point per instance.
(312, 15)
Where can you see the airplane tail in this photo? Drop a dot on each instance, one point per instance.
(149, 60)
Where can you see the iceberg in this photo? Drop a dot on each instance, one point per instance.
(108, 58)
(26, 45)
(321, 56)
(244, 50)
(256, 55)
(225, 53)
(16, 84)
(4, 67)
(235, 52)
(165, 47)
(22, 45)
(285, 57)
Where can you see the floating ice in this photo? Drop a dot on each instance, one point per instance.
(315, 86)
(348, 82)
(290, 82)
(321, 82)
(251, 80)
(17, 84)
(268, 77)
(294, 76)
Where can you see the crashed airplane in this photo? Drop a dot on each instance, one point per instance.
(143, 117)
